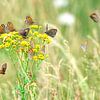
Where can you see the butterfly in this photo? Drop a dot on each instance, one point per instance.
(3, 68)
(29, 20)
(2, 28)
(51, 32)
(10, 27)
(24, 32)
(95, 16)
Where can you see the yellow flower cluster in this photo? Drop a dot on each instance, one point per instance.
(40, 57)
(24, 43)
(35, 27)
(33, 43)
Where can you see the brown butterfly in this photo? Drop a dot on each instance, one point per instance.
(95, 16)
(51, 32)
(2, 28)
(29, 20)
(10, 27)
(3, 68)
(24, 32)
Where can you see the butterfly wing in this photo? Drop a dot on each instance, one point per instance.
(10, 27)
(24, 32)
(29, 20)
(2, 28)
(51, 32)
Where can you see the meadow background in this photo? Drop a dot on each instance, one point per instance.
(70, 73)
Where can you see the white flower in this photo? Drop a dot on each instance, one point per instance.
(66, 19)
(60, 3)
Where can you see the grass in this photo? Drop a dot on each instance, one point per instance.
(69, 73)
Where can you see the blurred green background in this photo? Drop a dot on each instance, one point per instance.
(76, 31)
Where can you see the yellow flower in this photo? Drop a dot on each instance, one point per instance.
(12, 42)
(14, 46)
(19, 37)
(41, 57)
(35, 58)
(30, 31)
(3, 35)
(48, 40)
(37, 46)
(35, 33)
(8, 39)
(30, 38)
(45, 36)
(40, 35)
(34, 26)
(7, 44)
(1, 46)
(13, 33)
(24, 43)
(35, 50)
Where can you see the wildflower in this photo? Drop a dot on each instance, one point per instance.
(35, 33)
(13, 42)
(35, 58)
(14, 46)
(21, 50)
(37, 46)
(40, 35)
(13, 33)
(30, 32)
(48, 40)
(30, 38)
(45, 36)
(8, 39)
(24, 43)
(3, 35)
(7, 44)
(19, 37)
(35, 50)
(35, 26)
(41, 57)
(1, 46)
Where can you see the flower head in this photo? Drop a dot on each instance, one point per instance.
(35, 58)
(24, 43)
(41, 57)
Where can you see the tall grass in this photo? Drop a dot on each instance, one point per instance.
(69, 73)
